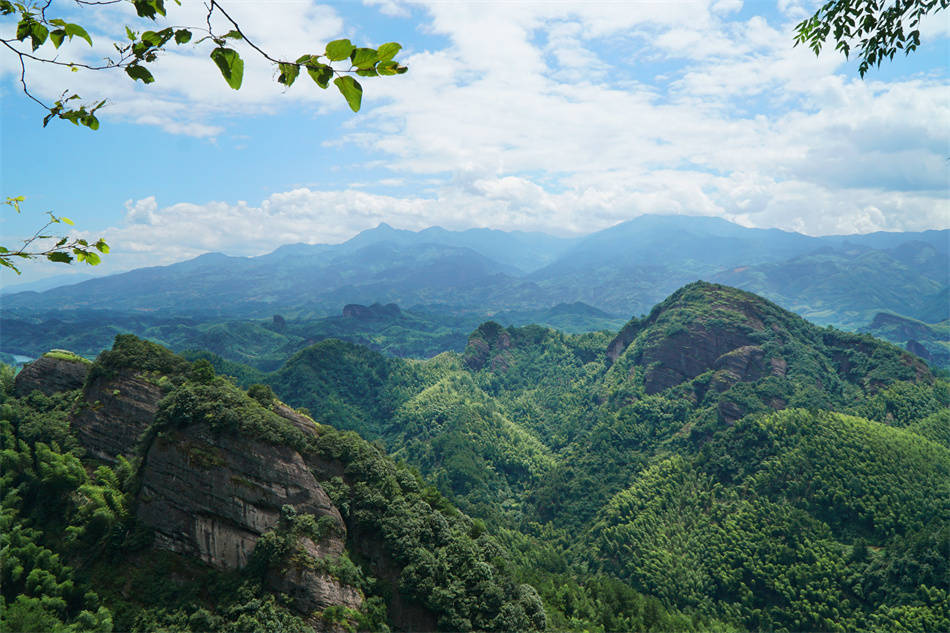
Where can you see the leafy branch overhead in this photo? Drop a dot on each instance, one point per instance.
(339, 63)
(877, 28)
(55, 248)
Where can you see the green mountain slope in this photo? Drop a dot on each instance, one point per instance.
(718, 464)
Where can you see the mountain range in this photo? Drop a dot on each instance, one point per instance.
(456, 279)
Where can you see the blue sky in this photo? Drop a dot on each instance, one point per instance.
(565, 117)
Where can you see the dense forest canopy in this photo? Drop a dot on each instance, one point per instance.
(781, 476)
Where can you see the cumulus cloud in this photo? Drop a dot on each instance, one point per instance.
(551, 116)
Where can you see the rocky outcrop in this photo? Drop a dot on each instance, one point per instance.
(116, 413)
(309, 587)
(299, 420)
(688, 353)
(744, 364)
(914, 347)
(375, 311)
(51, 374)
(487, 346)
(623, 340)
(213, 496)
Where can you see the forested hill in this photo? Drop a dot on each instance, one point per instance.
(720, 452)
(717, 464)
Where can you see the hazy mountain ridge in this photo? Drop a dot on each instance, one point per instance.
(460, 278)
(389, 265)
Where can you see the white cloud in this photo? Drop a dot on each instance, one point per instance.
(548, 116)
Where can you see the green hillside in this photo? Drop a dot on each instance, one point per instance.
(718, 464)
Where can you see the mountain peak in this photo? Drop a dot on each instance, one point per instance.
(732, 336)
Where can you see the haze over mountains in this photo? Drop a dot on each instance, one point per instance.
(457, 279)
(623, 270)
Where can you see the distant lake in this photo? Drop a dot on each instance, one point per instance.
(20, 359)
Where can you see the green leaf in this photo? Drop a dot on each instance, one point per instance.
(91, 122)
(364, 57)
(367, 72)
(352, 91)
(66, 220)
(388, 68)
(182, 36)
(321, 74)
(102, 246)
(230, 64)
(338, 50)
(63, 258)
(148, 8)
(57, 37)
(4, 262)
(76, 30)
(234, 35)
(387, 51)
(288, 73)
(61, 241)
(139, 72)
(89, 257)
(38, 35)
(24, 26)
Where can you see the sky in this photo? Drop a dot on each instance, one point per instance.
(558, 116)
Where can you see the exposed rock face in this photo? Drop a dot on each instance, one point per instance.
(687, 354)
(116, 415)
(50, 375)
(487, 345)
(299, 420)
(744, 364)
(623, 339)
(375, 311)
(917, 349)
(213, 496)
(310, 589)
(730, 411)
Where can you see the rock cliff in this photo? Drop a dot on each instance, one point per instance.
(51, 374)
(117, 411)
(213, 494)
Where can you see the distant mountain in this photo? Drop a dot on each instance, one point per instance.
(693, 245)
(846, 285)
(625, 269)
(525, 251)
(47, 283)
(216, 285)
(930, 341)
